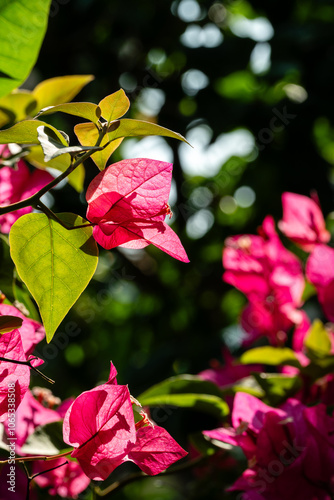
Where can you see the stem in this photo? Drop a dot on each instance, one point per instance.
(52, 215)
(48, 470)
(117, 485)
(28, 363)
(34, 199)
(37, 457)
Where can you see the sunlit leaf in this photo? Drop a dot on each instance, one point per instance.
(9, 323)
(22, 29)
(317, 341)
(278, 387)
(138, 128)
(181, 384)
(86, 110)
(25, 132)
(88, 134)
(114, 105)
(199, 402)
(186, 391)
(59, 90)
(56, 264)
(270, 356)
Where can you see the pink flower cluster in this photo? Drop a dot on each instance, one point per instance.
(289, 449)
(272, 277)
(99, 424)
(16, 185)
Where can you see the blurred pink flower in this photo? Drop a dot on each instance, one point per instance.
(31, 331)
(14, 377)
(16, 185)
(320, 272)
(67, 481)
(303, 222)
(279, 449)
(272, 279)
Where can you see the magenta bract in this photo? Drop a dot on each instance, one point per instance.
(17, 185)
(128, 203)
(303, 221)
(100, 425)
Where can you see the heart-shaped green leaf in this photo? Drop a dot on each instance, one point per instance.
(55, 263)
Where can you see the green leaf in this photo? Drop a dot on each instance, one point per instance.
(201, 444)
(186, 391)
(9, 323)
(88, 134)
(6, 269)
(199, 402)
(59, 90)
(22, 29)
(181, 384)
(139, 128)
(45, 440)
(270, 356)
(56, 264)
(25, 132)
(114, 105)
(246, 384)
(317, 341)
(53, 148)
(277, 387)
(87, 110)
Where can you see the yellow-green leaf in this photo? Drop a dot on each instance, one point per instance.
(114, 105)
(138, 128)
(87, 110)
(317, 341)
(269, 355)
(59, 90)
(22, 29)
(55, 264)
(9, 323)
(25, 132)
(88, 134)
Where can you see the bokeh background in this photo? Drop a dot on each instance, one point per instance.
(250, 85)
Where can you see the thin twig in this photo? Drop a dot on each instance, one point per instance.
(28, 363)
(46, 458)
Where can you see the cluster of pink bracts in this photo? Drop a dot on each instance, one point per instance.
(290, 450)
(99, 424)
